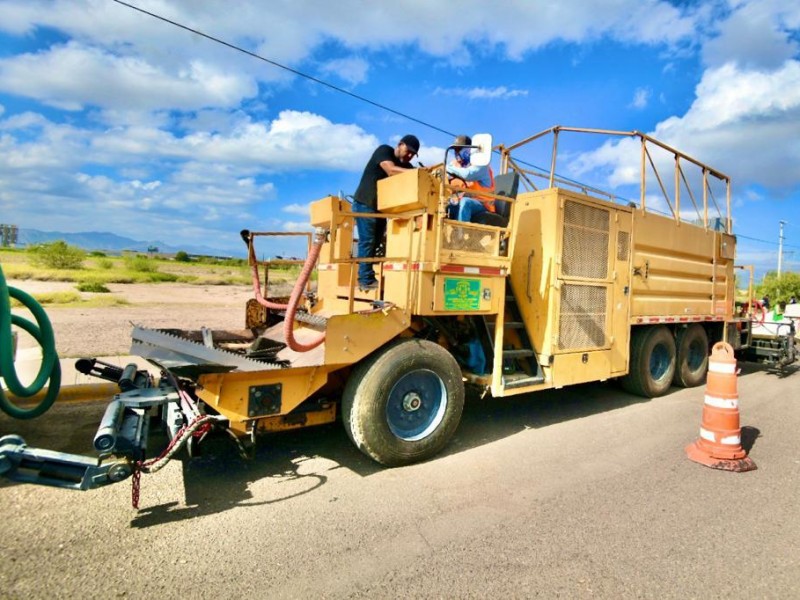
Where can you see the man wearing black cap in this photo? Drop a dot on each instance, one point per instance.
(385, 161)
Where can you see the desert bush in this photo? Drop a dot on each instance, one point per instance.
(105, 263)
(141, 264)
(182, 256)
(92, 286)
(57, 255)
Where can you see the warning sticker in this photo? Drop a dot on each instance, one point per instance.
(461, 293)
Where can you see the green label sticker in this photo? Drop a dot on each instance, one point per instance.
(462, 293)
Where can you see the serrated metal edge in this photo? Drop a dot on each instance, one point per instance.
(143, 336)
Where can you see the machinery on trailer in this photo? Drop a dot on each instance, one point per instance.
(562, 285)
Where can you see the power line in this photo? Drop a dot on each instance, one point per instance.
(285, 68)
(752, 239)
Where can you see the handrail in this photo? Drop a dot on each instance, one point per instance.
(507, 162)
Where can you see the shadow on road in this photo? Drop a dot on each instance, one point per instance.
(221, 479)
(292, 464)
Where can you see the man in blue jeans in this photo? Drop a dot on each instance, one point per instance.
(385, 162)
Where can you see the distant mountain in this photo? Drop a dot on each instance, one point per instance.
(110, 242)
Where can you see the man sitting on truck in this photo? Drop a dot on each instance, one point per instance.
(463, 173)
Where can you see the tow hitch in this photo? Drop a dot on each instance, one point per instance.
(121, 438)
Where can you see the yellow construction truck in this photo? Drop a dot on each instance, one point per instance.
(563, 284)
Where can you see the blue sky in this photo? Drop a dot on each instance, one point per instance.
(111, 120)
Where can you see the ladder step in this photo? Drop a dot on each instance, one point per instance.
(518, 353)
(506, 325)
(510, 382)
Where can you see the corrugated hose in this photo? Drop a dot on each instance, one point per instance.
(42, 332)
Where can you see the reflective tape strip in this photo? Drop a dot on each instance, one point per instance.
(673, 319)
(731, 440)
(473, 270)
(721, 367)
(722, 402)
(707, 435)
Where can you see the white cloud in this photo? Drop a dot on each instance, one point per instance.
(296, 28)
(297, 209)
(353, 70)
(481, 93)
(745, 123)
(641, 97)
(755, 36)
(73, 76)
(297, 226)
(159, 182)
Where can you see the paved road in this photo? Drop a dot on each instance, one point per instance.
(578, 493)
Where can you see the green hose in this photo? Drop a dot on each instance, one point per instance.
(42, 332)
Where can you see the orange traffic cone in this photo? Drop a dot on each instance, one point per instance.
(720, 443)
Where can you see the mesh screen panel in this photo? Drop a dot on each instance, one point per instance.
(583, 316)
(464, 239)
(623, 245)
(585, 251)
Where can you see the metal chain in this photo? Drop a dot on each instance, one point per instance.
(197, 427)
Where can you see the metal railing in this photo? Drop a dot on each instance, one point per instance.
(679, 174)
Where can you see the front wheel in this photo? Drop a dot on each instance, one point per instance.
(403, 403)
(652, 362)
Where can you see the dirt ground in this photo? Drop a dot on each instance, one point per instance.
(106, 331)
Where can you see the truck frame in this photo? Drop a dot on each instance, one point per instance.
(563, 285)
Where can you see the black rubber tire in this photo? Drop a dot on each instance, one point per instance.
(648, 344)
(691, 361)
(371, 393)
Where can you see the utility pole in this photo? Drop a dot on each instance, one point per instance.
(780, 249)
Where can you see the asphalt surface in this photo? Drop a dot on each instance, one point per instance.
(579, 493)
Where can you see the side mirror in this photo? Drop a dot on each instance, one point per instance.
(481, 154)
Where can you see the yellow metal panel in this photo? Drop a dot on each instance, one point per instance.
(229, 393)
(533, 249)
(412, 190)
(621, 293)
(323, 211)
(679, 268)
(349, 338)
(581, 367)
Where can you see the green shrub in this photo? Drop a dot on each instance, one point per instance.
(57, 255)
(105, 263)
(141, 264)
(93, 286)
(182, 256)
(96, 253)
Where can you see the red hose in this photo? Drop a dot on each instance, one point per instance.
(259, 296)
(294, 299)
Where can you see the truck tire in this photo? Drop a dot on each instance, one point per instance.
(652, 362)
(403, 403)
(691, 361)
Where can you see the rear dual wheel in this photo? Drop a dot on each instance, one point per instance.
(403, 404)
(652, 362)
(692, 356)
(658, 359)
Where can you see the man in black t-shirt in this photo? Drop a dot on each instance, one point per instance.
(385, 161)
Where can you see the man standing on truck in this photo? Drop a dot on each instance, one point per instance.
(385, 162)
(464, 174)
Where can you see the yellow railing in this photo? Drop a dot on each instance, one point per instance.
(680, 180)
